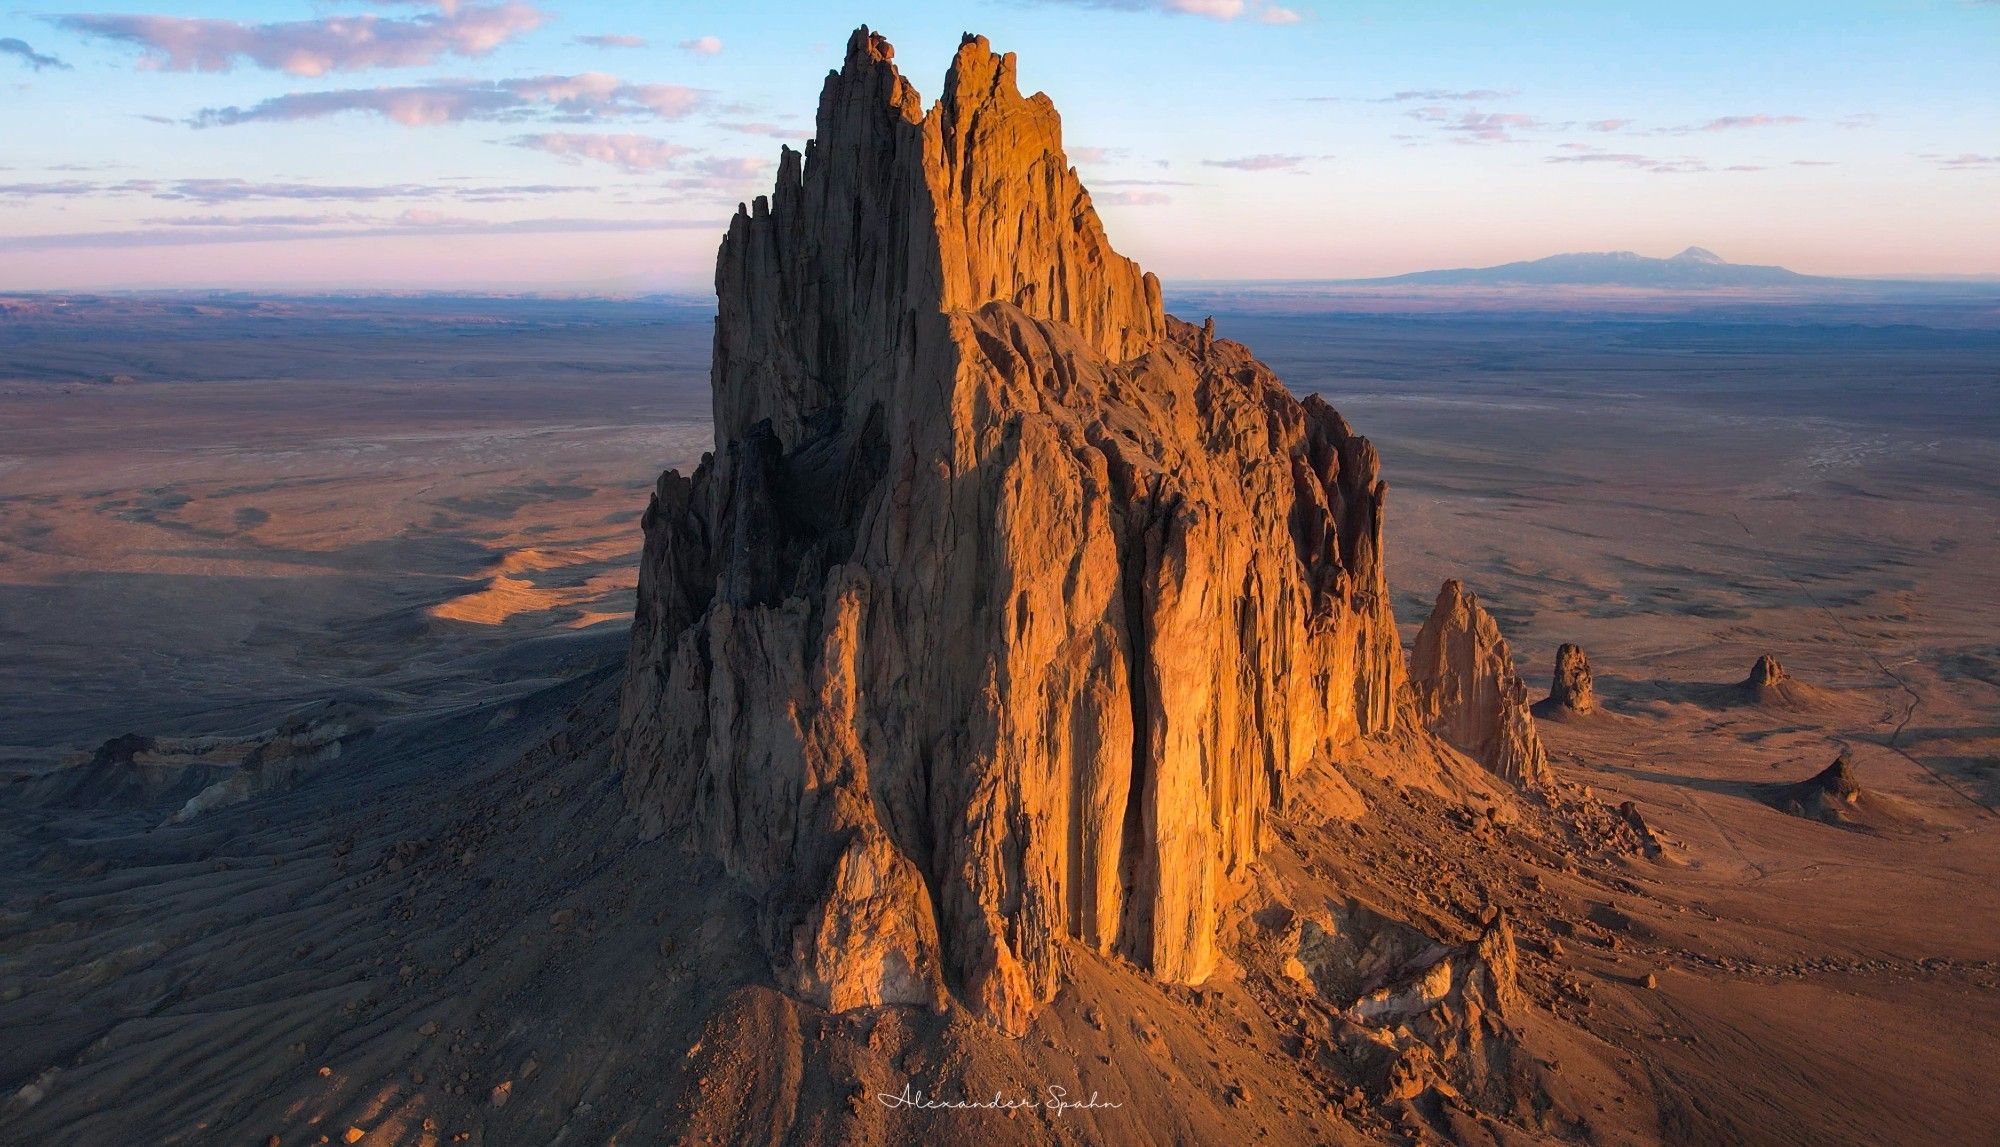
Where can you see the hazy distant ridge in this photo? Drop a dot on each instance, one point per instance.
(1694, 267)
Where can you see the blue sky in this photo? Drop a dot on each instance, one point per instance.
(515, 144)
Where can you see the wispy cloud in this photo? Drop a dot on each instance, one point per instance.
(410, 223)
(1443, 95)
(321, 220)
(775, 131)
(1414, 95)
(60, 188)
(1608, 124)
(612, 41)
(1141, 183)
(216, 191)
(1266, 162)
(1262, 11)
(1096, 154)
(634, 153)
(1135, 198)
(1478, 126)
(733, 168)
(20, 50)
(1737, 122)
(702, 45)
(1584, 153)
(311, 47)
(727, 177)
(1963, 161)
(1725, 123)
(584, 98)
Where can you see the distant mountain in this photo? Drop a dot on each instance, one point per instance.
(1694, 267)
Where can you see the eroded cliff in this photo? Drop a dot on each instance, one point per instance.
(1007, 607)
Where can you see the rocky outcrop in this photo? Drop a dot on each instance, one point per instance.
(1007, 607)
(1570, 692)
(1465, 688)
(1771, 686)
(1766, 674)
(1834, 796)
(193, 775)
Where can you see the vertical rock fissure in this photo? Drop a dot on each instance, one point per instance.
(1135, 916)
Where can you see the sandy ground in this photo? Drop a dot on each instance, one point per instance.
(442, 536)
(274, 510)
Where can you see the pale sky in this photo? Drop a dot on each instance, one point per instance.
(533, 144)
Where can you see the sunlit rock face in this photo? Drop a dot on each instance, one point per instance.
(1008, 606)
(1466, 689)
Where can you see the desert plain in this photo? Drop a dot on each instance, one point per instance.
(219, 511)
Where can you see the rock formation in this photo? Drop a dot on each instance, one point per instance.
(1834, 796)
(1766, 673)
(1465, 688)
(1570, 693)
(1770, 686)
(1008, 606)
(196, 774)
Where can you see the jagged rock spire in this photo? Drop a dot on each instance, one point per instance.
(1467, 690)
(1571, 690)
(1007, 607)
(893, 214)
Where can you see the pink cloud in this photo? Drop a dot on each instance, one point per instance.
(312, 47)
(775, 131)
(1476, 126)
(702, 45)
(590, 96)
(1491, 127)
(1263, 11)
(1585, 153)
(1445, 95)
(1733, 122)
(219, 191)
(733, 167)
(634, 153)
(612, 41)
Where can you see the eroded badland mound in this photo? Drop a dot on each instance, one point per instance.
(1013, 715)
(1835, 796)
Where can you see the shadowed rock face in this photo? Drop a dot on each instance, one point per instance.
(1834, 796)
(1008, 606)
(1465, 688)
(1571, 689)
(1765, 673)
(1837, 780)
